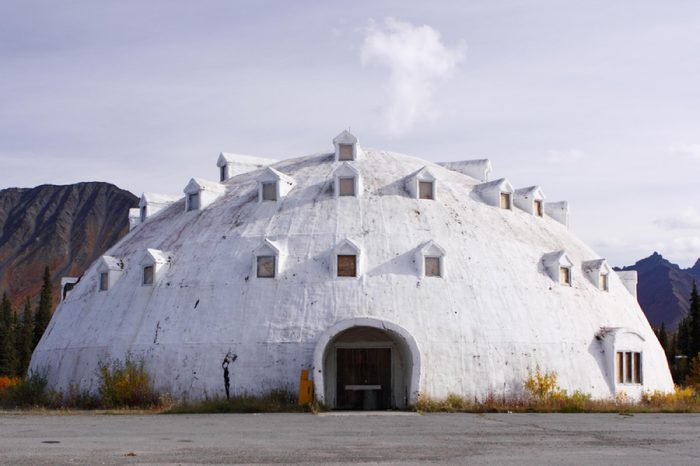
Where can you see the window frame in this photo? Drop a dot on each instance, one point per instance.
(104, 281)
(353, 180)
(338, 268)
(538, 207)
(343, 154)
(439, 266)
(508, 198)
(258, 265)
(431, 189)
(565, 275)
(144, 275)
(197, 204)
(267, 185)
(629, 369)
(223, 173)
(604, 282)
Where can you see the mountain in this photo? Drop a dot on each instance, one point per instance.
(64, 227)
(664, 289)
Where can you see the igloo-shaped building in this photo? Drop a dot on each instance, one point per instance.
(384, 275)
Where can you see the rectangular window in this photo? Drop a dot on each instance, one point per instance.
(620, 368)
(104, 281)
(346, 186)
(629, 367)
(143, 213)
(603, 281)
(269, 191)
(565, 275)
(505, 201)
(347, 266)
(432, 267)
(193, 201)
(345, 152)
(425, 189)
(148, 275)
(222, 173)
(266, 266)
(538, 208)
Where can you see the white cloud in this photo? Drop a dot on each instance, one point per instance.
(683, 250)
(686, 150)
(686, 219)
(564, 156)
(417, 61)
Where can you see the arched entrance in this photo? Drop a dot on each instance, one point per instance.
(366, 364)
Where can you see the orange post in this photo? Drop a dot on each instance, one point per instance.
(306, 388)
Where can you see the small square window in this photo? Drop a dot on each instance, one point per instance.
(104, 281)
(193, 201)
(432, 267)
(266, 266)
(269, 191)
(565, 275)
(347, 266)
(538, 208)
(346, 186)
(425, 189)
(148, 275)
(345, 152)
(603, 281)
(505, 200)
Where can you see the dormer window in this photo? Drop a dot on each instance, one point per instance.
(421, 184)
(193, 201)
(143, 213)
(598, 273)
(148, 275)
(267, 259)
(559, 266)
(505, 200)
(152, 203)
(346, 259)
(347, 147)
(201, 193)
(431, 260)
(345, 152)
(273, 185)
(104, 281)
(269, 191)
(346, 181)
(497, 193)
(530, 199)
(109, 270)
(152, 265)
(223, 173)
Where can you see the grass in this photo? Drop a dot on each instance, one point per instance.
(274, 401)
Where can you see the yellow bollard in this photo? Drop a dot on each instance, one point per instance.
(306, 388)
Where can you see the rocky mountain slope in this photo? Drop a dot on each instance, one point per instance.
(664, 289)
(64, 227)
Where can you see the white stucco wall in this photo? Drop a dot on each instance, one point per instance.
(495, 316)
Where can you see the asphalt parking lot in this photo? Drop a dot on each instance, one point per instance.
(351, 438)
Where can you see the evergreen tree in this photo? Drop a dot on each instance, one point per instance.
(43, 313)
(8, 354)
(694, 324)
(25, 339)
(663, 338)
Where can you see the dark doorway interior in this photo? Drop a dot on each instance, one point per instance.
(364, 378)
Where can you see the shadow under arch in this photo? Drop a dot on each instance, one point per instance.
(407, 350)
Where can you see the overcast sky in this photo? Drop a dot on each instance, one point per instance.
(596, 101)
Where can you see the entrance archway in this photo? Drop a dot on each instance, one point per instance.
(366, 363)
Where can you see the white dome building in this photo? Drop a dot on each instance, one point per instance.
(385, 275)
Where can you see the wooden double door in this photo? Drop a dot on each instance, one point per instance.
(363, 378)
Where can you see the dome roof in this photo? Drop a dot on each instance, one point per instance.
(470, 295)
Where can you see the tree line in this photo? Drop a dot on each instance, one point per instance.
(19, 336)
(682, 347)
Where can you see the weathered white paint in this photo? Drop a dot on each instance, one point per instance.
(524, 198)
(134, 218)
(208, 192)
(629, 280)
(559, 211)
(112, 266)
(490, 192)
(345, 137)
(67, 282)
(413, 183)
(152, 203)
(283, 183)
(479, 169)
(478, 331)
(231, 165)
(593, 269)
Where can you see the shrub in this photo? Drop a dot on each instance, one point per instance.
(126, 384)
(542, 386)
(27, 392)
(274, 401)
